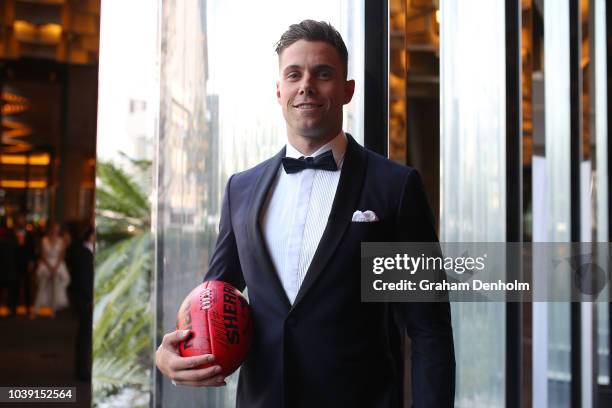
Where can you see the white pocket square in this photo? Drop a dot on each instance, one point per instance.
(365, 216)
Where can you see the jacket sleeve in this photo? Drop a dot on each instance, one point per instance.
(224, 263)
(428, 324)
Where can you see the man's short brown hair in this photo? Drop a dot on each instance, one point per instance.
(311, 30)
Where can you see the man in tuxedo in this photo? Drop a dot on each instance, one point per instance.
(290, 233)
(82, 268)
(24, 262)
(8, 270)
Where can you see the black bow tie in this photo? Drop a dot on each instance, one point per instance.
(324, 161)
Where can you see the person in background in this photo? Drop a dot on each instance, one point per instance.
(51, 274)
(82, 268)
(24, 264)
(7, 270)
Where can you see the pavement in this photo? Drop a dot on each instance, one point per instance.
(40, 352)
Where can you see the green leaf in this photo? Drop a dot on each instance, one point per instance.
(123, 322)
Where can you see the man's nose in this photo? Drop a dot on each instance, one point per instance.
(306, 86)
(307, 91)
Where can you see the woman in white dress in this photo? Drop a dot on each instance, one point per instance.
(51, 274)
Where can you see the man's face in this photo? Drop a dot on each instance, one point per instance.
(312, 89)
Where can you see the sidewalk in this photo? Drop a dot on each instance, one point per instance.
(39, 352)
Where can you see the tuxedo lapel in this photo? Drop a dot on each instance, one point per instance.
(345, 201)
(260, 194)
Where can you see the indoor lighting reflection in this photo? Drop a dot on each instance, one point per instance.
(26, 31)
(23, 184)
(50, 32)
(34, 160)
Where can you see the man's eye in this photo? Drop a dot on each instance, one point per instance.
(325, 74)
(293, 75)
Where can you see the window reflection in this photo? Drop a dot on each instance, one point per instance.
(556, 218)
(473, 171)
(601, 183)
(127, 108)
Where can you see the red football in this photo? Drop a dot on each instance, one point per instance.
(219, 318)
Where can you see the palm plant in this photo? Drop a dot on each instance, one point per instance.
(122, 314)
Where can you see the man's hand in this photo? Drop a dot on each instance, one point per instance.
(183, 370)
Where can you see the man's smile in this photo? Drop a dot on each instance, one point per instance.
(307, 106)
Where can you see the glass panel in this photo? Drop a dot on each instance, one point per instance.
(557, 117)
(551, 203)
(531, 40)
(599, 69)
(473, 171)
(127, 109)
(219, 115)
(601, 120)
(414, 91)
(603, 343)
(397, 79)
(557, 145)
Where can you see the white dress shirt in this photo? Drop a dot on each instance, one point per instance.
(296, 214)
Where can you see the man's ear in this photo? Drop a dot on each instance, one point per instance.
(278, 98)
(349, 90)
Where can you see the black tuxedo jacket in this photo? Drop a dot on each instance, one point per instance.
(329, 349)
(81, 263)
